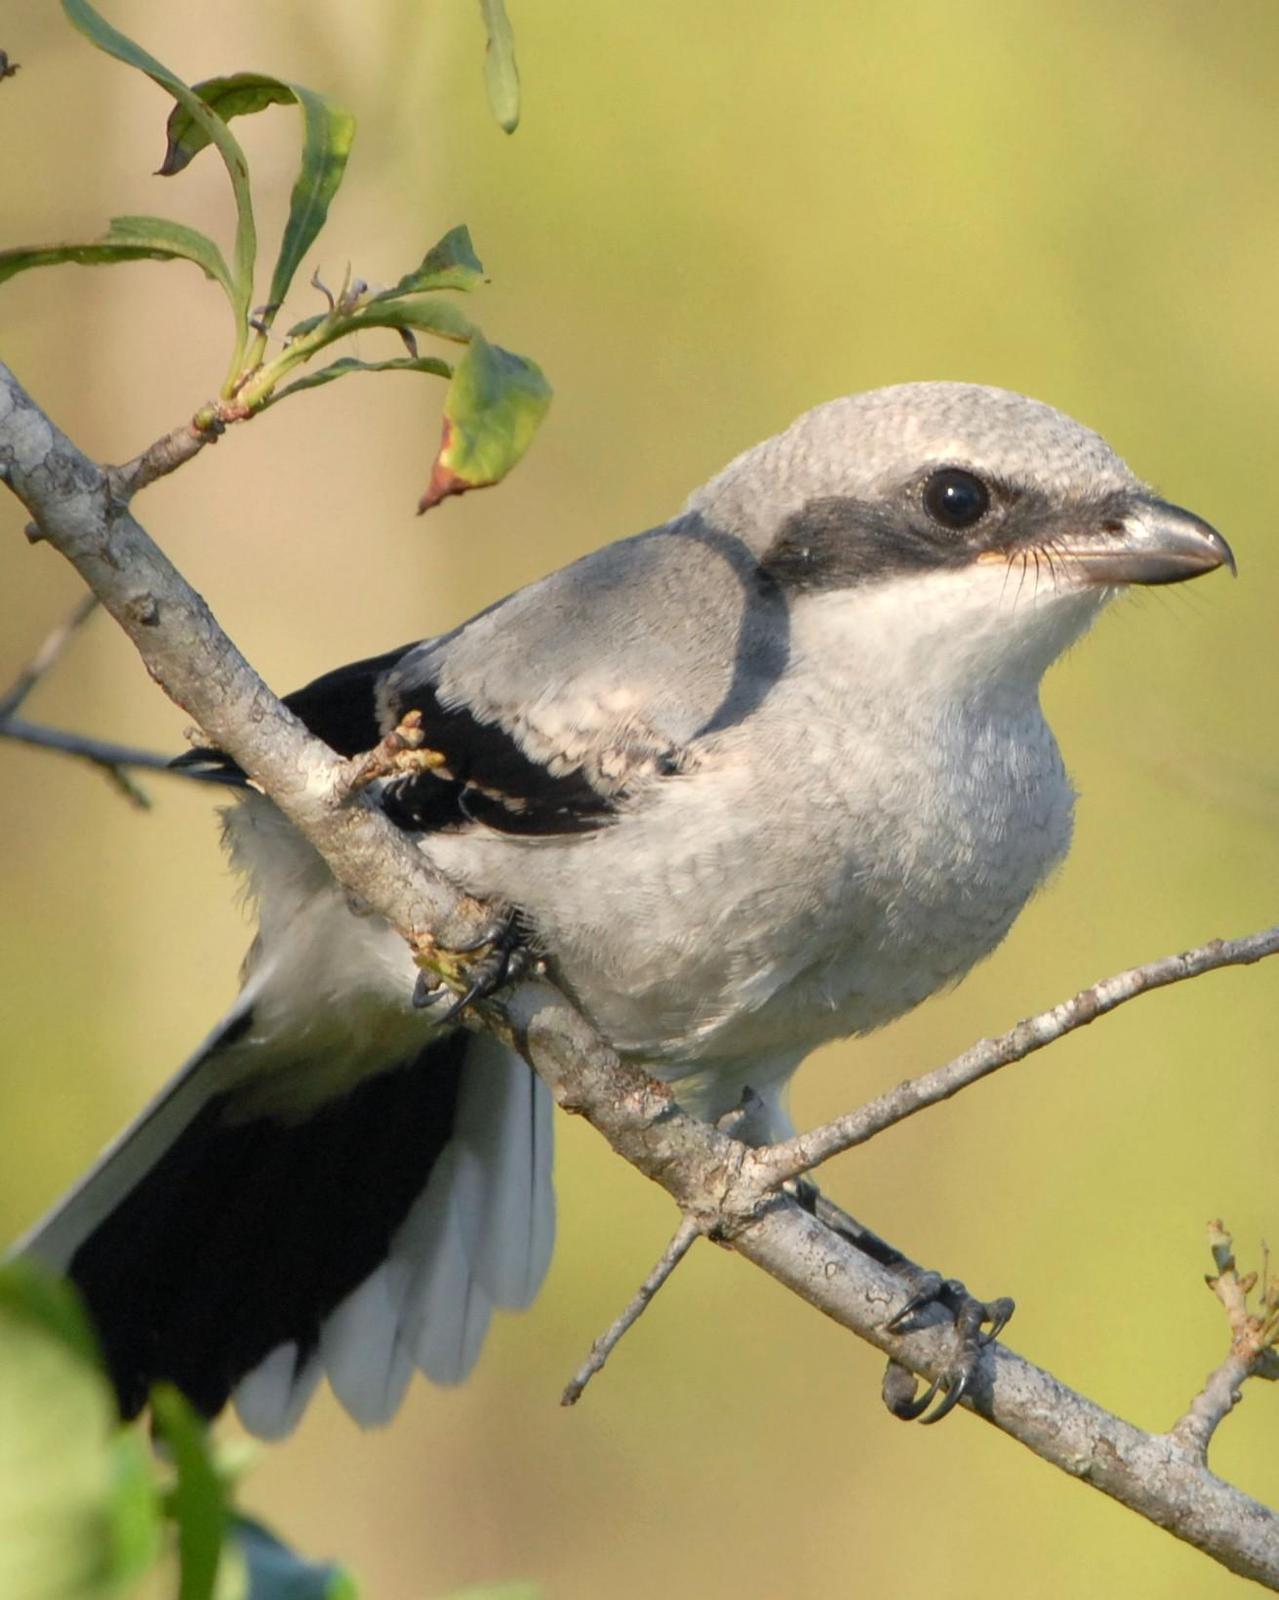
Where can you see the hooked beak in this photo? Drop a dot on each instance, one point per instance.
(1154, 542)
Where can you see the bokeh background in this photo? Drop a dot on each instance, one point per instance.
(712, 217)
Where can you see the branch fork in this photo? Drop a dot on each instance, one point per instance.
(1254, 1337)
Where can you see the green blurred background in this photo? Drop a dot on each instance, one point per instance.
(713, 217)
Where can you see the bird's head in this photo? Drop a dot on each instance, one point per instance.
(956, 518)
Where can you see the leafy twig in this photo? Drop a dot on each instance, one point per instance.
(496, 400)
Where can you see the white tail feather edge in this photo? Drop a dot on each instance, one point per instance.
(56, 1237)
(271, 1400)
(479, 1237)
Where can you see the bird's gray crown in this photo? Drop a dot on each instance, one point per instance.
(869, 447)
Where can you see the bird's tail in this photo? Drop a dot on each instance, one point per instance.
(239, 1249)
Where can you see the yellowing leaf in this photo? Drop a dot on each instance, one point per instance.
(493, 408)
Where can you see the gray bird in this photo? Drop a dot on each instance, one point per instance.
(765, 776)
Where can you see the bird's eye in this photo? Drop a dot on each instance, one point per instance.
(955, 498)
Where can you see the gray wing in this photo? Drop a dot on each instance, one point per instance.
(555, 704)
(606, 673)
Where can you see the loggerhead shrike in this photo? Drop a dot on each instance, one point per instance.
(765, 776)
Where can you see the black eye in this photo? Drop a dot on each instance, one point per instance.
(956, 499)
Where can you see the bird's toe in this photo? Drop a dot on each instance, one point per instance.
(975, 1323)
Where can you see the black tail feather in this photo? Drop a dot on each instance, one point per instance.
(248, 1233)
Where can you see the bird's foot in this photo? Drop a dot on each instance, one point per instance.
(497, 956)
(748, 1120)
(931, 1298)
(976, 1323)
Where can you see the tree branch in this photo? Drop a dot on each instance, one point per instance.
(197, 665)
(718, 1183)
(783, 1162)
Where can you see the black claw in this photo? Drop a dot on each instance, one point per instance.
(976, 1323)
(500, 933)
(900, 1391)
(507, 960)
(999, 1315)
(480, 989)
(901, 1399)
(955, 1390)
(932, 1289)
(426, 991)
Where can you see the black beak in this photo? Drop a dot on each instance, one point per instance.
(1153, 542)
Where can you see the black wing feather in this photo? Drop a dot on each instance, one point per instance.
(486, 777)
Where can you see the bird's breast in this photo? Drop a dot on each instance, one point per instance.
(791, 890)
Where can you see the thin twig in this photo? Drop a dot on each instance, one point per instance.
(674, 1253)
(1252, 1345)
(47, 656)
(730, 1123)
(399, 753)
(125, 786)
(162, 457)
(1211, 1406)
(44, 660)
(779, 1163)
(102, 752)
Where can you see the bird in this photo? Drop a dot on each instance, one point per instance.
(769, 774)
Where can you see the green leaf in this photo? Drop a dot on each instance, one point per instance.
(277, 1573)
(501, 75)
(347, 364)
(451, 264)
(239, 94)
(421, 314)
(326, 144)
(76, 1518)
(328, 131)
(175, 241)
(199, 1499)
(128, 239)
(114, 43)
(492, 410)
